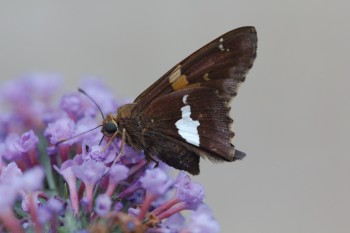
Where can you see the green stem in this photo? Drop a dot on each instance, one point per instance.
(45, 161)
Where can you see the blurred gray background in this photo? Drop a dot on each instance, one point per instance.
(291, 115)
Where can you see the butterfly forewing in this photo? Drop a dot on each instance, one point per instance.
(230, 56)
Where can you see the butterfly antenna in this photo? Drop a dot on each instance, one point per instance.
(82, 91)
(77, 135)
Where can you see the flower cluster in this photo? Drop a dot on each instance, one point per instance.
(48, 184)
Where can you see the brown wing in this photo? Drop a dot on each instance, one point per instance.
(185, 112)
(195, 118)
(221, 65)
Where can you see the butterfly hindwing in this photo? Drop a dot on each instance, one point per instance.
(195, 118)
(172, 151)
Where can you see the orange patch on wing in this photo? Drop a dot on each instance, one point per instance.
(180, 82)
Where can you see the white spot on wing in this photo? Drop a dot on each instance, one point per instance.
(184, 99)
(175, 74)
(188, 128)
(221, 46)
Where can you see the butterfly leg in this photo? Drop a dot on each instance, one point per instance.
(121, 152)
(109, 142)
(150, 157)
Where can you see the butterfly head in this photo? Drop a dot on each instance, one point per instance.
(109, 126)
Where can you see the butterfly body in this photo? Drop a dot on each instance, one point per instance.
(184, 115)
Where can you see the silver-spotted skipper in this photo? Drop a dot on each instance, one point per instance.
(184, 115)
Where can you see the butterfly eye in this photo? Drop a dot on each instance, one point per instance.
(110, 127)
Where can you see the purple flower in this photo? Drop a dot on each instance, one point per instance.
(63, 128)
(10, 173)
(188, 196)
(156, 181)
(87, 123)
(31, 199)
(89, 172)
(66, 170)
(12, 149)
(55, 204)
(103, 205)
(116, 173)
(86, 204)
(8, 196)
(175, 222)
(131, 156)
(15, 92)
(182, 180)
(91, 150)
(5, 125)
(73, 105)
(8, 190)
(42, 85)
(133, 211)
(8, 219)
(202, 221)
(44, 215)
(189, 192)
(131, 193)
(29, 98)
(32, 180)
(67, 173)
(49, 212)
(100, 94)
(138, 167)
(28, 141)
(16, 147)
(118, 206)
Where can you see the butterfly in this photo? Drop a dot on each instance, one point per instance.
(184, 115)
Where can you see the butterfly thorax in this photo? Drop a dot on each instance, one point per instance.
(114, 125)
(132, 124)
